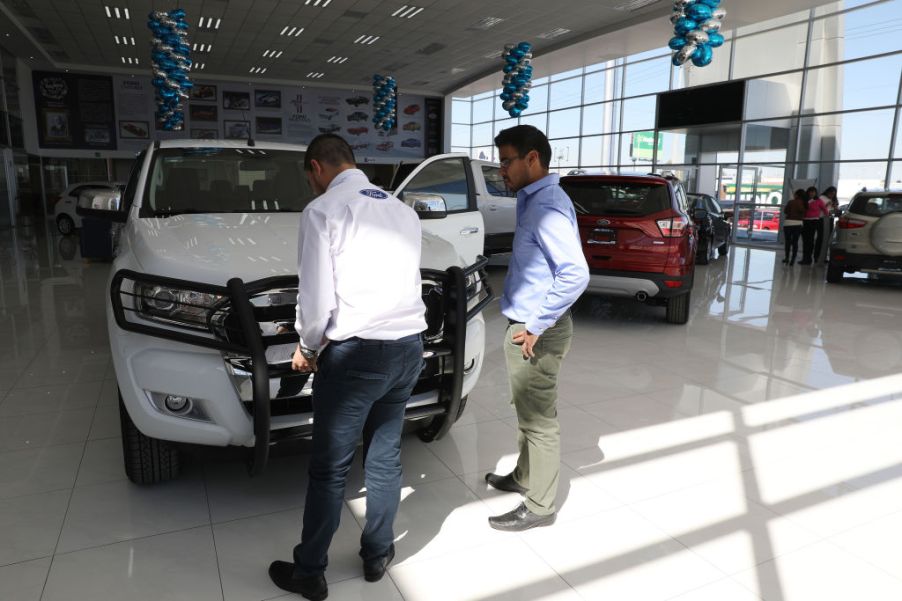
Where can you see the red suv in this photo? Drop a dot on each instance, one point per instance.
(638, 238)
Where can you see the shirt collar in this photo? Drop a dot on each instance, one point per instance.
(552, 179)
(346, 176)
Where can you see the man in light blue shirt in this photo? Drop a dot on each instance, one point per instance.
(547, 273)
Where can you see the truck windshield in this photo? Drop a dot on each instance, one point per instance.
(225, 180)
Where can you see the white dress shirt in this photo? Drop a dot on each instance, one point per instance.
(358, 265)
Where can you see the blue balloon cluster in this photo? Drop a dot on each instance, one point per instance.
(696, 25)
(517, 78)
(385, 102)
(170, 58)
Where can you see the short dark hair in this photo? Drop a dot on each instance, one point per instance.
(811, 189)
(800, 193)
(526, 138)
(830, 190)
(330, 150)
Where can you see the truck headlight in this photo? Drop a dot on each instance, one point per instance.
(181, 307)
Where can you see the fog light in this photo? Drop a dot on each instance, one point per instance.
(177, 404)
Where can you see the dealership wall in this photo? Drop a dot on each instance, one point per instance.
(53, 115)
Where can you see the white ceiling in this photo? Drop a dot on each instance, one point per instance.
(439, 50)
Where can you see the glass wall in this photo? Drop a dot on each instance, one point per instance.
(823, 104)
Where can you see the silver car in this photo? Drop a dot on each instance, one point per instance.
(868, 237)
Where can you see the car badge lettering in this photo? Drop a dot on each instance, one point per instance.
(603, 222)
(379, 194)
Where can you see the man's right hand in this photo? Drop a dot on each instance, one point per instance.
(301, 363)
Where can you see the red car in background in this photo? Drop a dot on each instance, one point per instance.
(638, 238)
(768, 221)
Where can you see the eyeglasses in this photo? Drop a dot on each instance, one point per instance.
(506, 163)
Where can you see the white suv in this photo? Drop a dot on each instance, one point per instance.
(868, 237)
(204, 284)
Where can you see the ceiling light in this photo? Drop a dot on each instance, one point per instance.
(291, 31)
(198, 66)
(129, 60)
(338, 60)
(208, 23)
(553, 33)
(115, 12)
(367, 39)
(258, 70)
(496, 54)
(116, 37)
(315, 75)
(407, 11)
(490, 22)
(320, 3)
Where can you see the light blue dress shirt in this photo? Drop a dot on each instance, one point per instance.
(547, 270)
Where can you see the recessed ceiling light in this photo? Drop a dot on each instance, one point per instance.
(290, 31)
(407, 12)
(320, 3)
(114, 11)
(315, 75)
(208, 23)
(367, 39)
(490, 22)
(202, 47)
(553, 33)
(258, 70)
(338, 60)
(198, 66)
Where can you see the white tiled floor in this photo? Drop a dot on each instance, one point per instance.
(750, 454)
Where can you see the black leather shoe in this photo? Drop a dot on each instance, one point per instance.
(520, 519)
(374, 570)
(505, 483)
(311, 587)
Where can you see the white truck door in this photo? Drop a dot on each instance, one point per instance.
(449, 176)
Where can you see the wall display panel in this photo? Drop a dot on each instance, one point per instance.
(648, 77)
(75, 111)
(566, 93)
(564, 124)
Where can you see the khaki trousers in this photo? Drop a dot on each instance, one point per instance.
(533, 385)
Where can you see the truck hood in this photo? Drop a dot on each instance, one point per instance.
(213, 248)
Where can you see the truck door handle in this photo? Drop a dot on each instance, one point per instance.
(493, 207)
(469, 230)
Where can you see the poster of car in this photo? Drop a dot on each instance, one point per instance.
(56, 125)
(269, 126)
(203, 133)
(236, 101)
(203, 92)
(201, 112)
(237, 130)
(134, 130)
(268, 99)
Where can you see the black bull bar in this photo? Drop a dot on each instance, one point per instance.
(227, 319)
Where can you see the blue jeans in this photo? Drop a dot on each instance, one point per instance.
(361, 388)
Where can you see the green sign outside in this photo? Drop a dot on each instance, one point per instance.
(643, 145)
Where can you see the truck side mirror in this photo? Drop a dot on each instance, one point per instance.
(104, 204)
(427, 206)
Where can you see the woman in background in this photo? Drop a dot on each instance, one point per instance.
(793, 216)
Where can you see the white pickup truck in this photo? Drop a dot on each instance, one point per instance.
(494, 200)
(204, 283)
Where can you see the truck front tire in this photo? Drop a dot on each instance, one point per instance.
(147, 460)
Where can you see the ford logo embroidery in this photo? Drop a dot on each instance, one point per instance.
(602, 222)
(374, 193)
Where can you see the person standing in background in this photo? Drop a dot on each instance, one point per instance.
(813, 228)
(793, 216)
(832, 204)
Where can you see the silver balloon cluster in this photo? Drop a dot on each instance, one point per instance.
(385, 102)
(171, 62)
(696, 25)
(517, 78)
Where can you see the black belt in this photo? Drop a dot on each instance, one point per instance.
(513, 322)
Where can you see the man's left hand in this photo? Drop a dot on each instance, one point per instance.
(526, 341)
(301, 363)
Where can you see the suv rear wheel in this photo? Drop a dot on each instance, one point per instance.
(147, 460)
(678, 309)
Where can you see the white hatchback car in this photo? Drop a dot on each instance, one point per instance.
(868, 237)
(67, 220)
(203, 291)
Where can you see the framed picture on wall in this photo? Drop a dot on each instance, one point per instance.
(203, 112)
(203, 92)
(134, 130)
(236, 101)
(269, 126)
(203, 133)
(56, 125)
(268, 99)
(237, 130)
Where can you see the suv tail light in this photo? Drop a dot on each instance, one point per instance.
(673, 227)
(846, 223)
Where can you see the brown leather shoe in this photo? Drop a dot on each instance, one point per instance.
(505, 483)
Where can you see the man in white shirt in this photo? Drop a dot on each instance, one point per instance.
(359, 316)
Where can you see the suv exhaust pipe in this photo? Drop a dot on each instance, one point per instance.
(641, 296)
